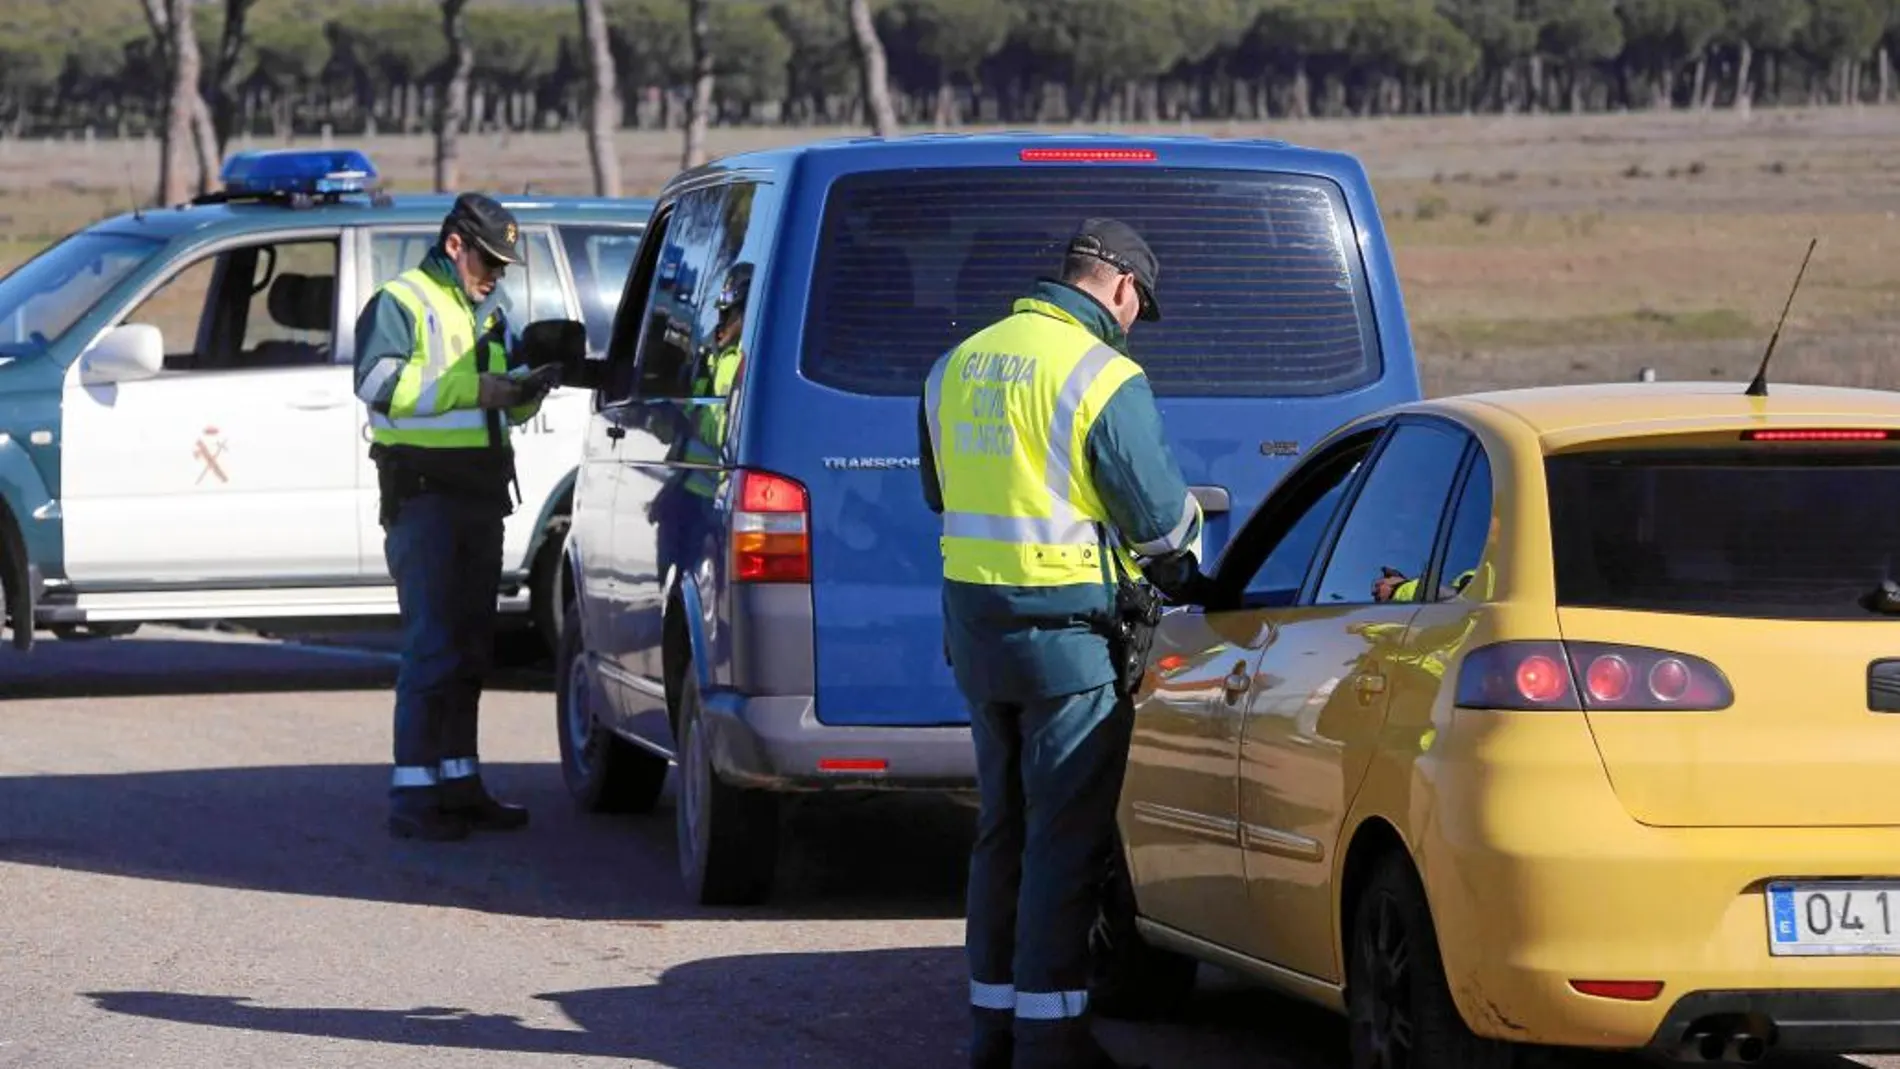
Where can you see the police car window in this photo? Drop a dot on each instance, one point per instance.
(667, 361)
(1470, 529)
(177, 308)
(600, 259)
(1261, 287)
(289, 319)
(1395, 519)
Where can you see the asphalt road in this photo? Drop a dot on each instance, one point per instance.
(195, 873)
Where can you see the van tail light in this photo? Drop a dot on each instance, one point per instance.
(771, 530)
(1597, 676)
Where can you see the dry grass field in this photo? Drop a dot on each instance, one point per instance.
(1533, 249)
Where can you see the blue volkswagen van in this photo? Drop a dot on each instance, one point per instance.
(752, 578)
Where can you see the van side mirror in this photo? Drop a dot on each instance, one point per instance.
(126, 352)
(563, 343)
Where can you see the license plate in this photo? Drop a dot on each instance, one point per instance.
(1840, 917)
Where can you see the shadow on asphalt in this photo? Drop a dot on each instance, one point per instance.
(140, 666)
(866, 1009)
(318, 830)
(842, 1010)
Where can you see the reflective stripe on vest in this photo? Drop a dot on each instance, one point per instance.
(436, 389)
(1009, 414)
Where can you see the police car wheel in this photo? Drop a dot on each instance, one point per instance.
(1129, 977)
(604, 772)
(728, 836)
(1399, 1007)
(83, 632)
(544, 607)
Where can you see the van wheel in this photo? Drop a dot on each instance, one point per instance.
(1129, 977)
(728, 837)
(543, 575)
(604, 772)
(1398, 1003)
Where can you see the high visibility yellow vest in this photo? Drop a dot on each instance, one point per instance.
(709, 423)
(1009, 413)
(434, 405)
(1408, 590)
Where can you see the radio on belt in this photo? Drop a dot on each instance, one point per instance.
(310, 172)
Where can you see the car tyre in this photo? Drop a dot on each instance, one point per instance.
(1129, 977)
(604, 772)
(728, 836)
(544, 575)
(87, 632)
(1398, 1004)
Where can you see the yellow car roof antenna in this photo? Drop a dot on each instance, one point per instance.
(1759, 388)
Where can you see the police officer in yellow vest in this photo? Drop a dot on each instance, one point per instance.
(1043, 451)
(436, 366)
(707, 440)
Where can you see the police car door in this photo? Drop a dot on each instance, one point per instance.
(236, 462)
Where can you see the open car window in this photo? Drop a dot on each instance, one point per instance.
(1270, 557)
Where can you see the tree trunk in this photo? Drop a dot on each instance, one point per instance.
(603, 113)
(874, 69)
(1886, 74)
(946, 116)
(1701, 79)
(451, 108)
(204, 137)
(224, 96)
(172, 31)
(701, 103)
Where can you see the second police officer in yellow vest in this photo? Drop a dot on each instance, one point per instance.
(436, 366)
(1043, 452)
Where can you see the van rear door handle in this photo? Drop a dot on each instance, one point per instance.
(616, 432)
(1213, 499)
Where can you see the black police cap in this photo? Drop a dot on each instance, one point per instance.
(1117, 244)
(490, 226)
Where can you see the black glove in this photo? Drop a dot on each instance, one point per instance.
(1178, 577)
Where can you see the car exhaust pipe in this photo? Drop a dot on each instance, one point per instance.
(1708, 1046)
(1745, 1048)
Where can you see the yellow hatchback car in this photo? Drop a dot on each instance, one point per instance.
(1565, 716)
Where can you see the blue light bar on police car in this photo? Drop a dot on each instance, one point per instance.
(314, 172)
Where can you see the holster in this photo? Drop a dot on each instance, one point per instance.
(1137, 612)
(1134, 613)
(396, 482)
(478, 475)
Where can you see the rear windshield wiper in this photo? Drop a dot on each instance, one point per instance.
(1884, 599)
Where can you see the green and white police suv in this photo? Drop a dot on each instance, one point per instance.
(179, 434)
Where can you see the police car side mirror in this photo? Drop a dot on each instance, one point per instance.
(124, 353)
(562, 343)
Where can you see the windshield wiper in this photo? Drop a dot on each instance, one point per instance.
(1884, 599)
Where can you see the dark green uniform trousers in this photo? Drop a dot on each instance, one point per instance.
(1049, 771)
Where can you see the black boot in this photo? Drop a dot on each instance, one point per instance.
(992, 1045)
(415, 814)
(468, 800)
(1067, 1044)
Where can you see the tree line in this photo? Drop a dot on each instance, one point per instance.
(196, 72)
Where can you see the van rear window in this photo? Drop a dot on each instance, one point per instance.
(1768, 532)
(1261, 288)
